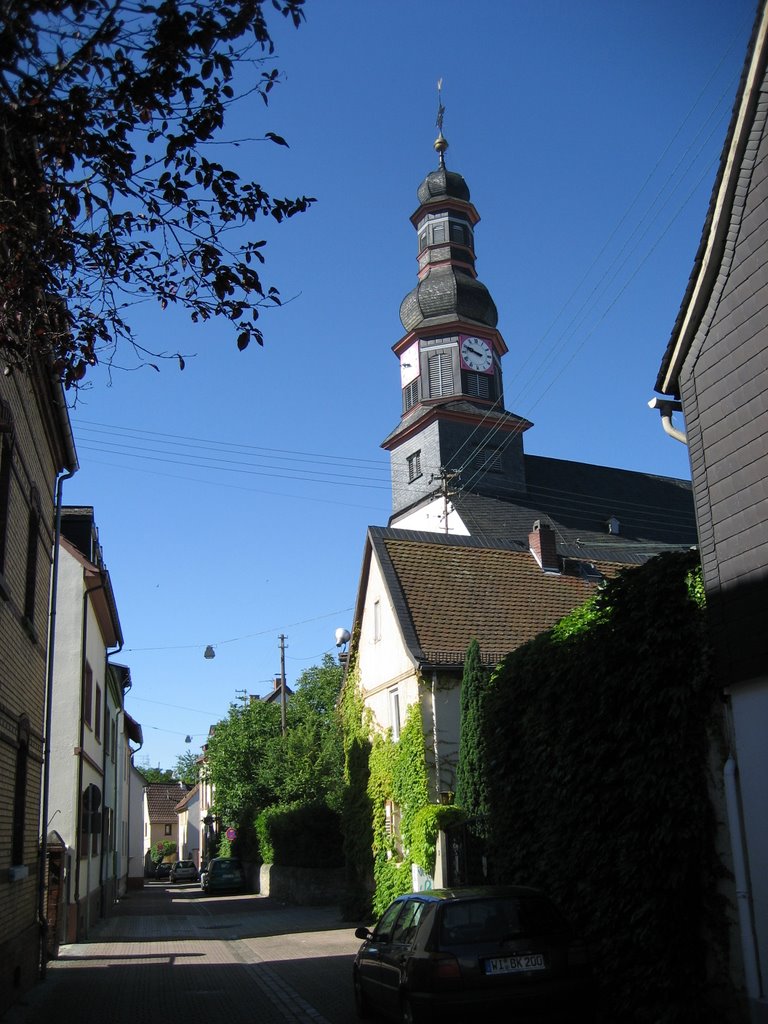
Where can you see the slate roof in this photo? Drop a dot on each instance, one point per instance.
(162, 799)
(577, 499)
(445, 591)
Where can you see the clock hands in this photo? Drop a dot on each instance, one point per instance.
(474, 351)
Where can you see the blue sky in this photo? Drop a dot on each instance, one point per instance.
(232, 498)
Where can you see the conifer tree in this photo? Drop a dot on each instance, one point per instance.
(471, 789)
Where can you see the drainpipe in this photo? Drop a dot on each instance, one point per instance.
(667, 407)
(741, 879)
(41, 908)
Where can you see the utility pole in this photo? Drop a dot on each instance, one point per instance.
(282, 639)
(242, 695)
(446, 478)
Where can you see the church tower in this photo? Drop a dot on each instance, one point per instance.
(453, 431)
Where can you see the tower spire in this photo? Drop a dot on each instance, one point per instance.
(441, 143)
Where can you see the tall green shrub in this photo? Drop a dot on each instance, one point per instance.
(597, 738)
(471, 783)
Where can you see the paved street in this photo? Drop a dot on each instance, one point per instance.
(171, 954)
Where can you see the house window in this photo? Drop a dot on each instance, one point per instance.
(97, 715)
(376, 621)
(20, 795)
(414, 466)
(440, 374)
(88, 695)
(91, 820)
(33, 537)
(392, 828)
(410, 394)
(394, 713)
(168, 830)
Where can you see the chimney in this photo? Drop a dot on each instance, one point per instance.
(541, 540)
(278, 682)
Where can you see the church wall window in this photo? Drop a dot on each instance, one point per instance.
(460, 233)
(438, 232)
(488, 460)
(414, 466)
(410, 394)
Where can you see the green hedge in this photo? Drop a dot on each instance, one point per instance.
(598, 737)
(300, 835)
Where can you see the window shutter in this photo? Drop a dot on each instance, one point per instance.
(440, 374)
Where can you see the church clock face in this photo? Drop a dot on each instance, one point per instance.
(476, 354)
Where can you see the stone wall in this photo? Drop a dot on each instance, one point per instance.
(303, 886)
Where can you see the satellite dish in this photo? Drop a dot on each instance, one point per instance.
(342, 636)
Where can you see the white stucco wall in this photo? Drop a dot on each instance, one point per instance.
(383, 661)
(384, 666)
(135, 823)
(65, 706)
(430, 520)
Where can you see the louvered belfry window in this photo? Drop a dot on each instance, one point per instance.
(478, 384)
(440, 374)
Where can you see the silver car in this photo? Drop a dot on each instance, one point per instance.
(183, 871)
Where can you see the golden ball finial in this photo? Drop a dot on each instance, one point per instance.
(441, 144)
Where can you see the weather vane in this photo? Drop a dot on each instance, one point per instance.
(440, 142)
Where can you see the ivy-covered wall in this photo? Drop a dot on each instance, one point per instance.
(378, 771)
(598, 738)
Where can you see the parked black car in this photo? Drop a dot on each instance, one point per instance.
(471, 954)
(163, 869)
(224, 874)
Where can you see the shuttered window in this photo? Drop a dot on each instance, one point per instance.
(478, 384)
(440, 374)
(410, 394)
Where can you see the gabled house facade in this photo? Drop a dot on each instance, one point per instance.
(85, 800)
(715, 370)
(424, 597)
(36, 448)
(188, 810)
(161, 822)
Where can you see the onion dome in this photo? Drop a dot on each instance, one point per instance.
(443, 184)
(448, 293)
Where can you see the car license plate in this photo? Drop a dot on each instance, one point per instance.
(515, 964)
